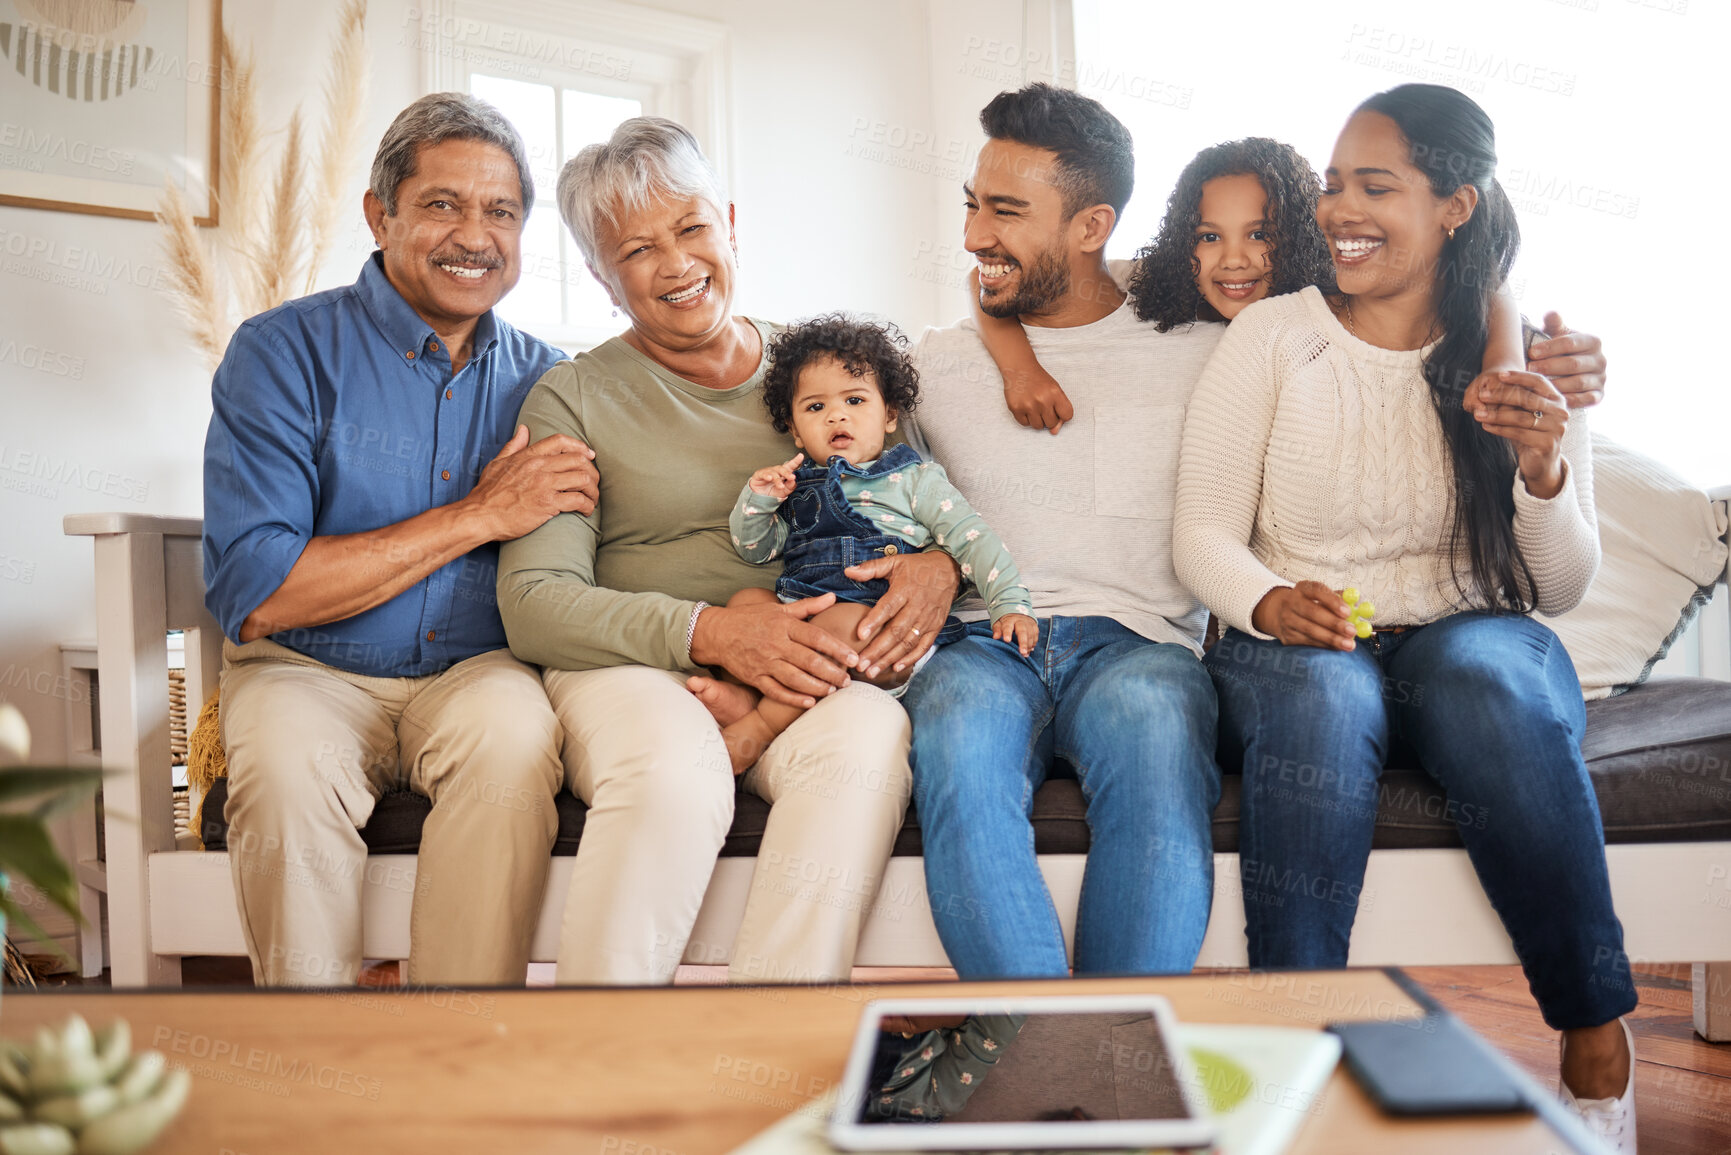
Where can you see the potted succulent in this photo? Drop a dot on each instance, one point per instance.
(73, 1089)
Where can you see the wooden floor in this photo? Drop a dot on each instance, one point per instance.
(1682, 1084)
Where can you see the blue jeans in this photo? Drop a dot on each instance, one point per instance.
(1137, 721)
(1491, 706)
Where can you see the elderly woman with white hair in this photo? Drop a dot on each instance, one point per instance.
(616, 605)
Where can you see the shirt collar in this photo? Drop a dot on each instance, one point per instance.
(900, 457)
(405, 329)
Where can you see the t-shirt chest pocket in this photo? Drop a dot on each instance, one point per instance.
(1136, 460)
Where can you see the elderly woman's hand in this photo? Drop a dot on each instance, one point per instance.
(774, 648)
(922, 588)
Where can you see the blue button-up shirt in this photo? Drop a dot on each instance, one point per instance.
(338, 413)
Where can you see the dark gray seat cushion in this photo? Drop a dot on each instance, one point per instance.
(1660, 757)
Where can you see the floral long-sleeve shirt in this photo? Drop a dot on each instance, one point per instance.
(939, 1070)
(916, 503)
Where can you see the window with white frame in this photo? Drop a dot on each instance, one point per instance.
(566, 76)
(1597, 106)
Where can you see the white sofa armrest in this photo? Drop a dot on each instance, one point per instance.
(95, 524)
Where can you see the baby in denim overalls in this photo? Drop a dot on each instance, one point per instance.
(841, 385)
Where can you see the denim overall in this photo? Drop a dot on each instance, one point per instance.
(826, 536)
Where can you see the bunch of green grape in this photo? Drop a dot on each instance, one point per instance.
(1362, 611)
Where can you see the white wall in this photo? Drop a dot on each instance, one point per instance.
(827, 220)
(812, 218)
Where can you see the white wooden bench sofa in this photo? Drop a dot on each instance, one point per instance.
(1660, 757)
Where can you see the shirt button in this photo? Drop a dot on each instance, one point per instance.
(410, 354)
(447, 395)
(433, 345)
(429, 635)
(445, 475)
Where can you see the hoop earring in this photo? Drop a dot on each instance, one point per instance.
(1451, 234)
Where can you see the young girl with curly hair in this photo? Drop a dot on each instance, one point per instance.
(840, 386)
(1240, 225)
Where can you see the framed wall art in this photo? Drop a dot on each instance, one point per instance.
(102, 102)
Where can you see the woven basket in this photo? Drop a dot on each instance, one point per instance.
(177, 716)
(179, 749)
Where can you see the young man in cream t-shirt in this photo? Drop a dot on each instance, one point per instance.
(1114, 688)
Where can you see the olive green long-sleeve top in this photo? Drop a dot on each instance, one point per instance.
(617, 587)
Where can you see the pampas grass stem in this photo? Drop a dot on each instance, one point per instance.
(282, 253)
(192, 280)
(345, 90)
(237, 192)
(272, 240)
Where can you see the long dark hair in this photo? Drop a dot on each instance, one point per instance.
(1453, 143)
(1163, 285)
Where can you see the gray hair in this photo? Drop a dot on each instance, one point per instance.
(434, 119)
(648, 157)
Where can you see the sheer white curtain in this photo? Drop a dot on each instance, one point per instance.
(1610, 120)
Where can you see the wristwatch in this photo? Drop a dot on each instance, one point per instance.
(691, 628)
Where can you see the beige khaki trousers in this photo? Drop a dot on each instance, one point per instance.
(310, 748)
(649, 760)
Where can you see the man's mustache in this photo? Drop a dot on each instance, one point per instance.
(467, 259)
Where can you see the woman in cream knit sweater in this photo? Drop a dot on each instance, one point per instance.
(1350, 441)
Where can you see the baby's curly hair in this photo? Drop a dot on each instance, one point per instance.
(1163, 286)
(861, 347)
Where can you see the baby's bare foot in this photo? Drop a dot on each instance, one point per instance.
(727, 702)
(889, 678)
(746, 740)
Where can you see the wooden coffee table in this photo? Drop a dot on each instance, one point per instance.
(681, 1071)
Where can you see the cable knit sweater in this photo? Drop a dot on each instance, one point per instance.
(1310, 454)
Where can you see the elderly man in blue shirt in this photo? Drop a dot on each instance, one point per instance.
(361, 466)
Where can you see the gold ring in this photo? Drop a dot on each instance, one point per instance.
(914, 630)
(1537, 413)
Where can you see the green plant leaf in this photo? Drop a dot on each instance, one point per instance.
(26, 781)
(67, 800)
(27, 852)
(17, 916)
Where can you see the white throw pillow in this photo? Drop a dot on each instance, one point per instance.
(1663, 545)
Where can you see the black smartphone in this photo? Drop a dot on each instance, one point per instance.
(1429, 1066)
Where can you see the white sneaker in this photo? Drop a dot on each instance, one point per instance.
(1612, 1120)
